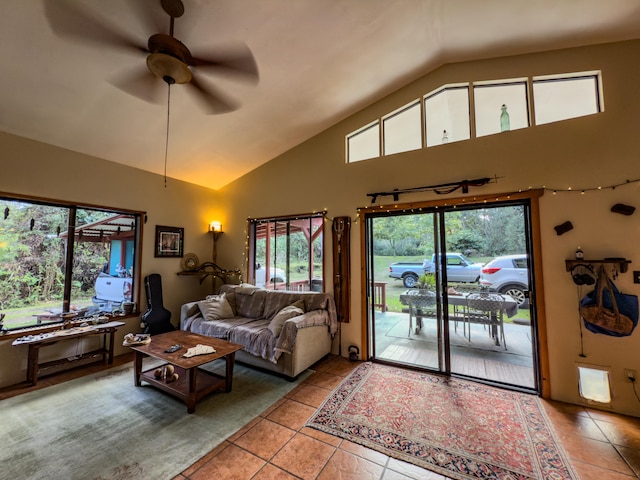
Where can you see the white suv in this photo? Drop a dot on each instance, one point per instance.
(509, 275)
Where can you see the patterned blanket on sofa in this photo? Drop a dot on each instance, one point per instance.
(253, 311)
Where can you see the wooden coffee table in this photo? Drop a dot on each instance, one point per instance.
(193, 382)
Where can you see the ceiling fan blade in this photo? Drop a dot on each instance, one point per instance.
(141, 83)
(70, 19)
(236, 60)
(215, 102)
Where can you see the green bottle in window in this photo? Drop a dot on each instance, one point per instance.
(505, 124)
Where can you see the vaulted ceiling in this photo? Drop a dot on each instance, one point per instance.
(319, 61)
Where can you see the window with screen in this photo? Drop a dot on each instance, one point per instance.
(64, 261)
(287, 253)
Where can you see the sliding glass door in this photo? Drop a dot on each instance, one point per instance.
(456, 283)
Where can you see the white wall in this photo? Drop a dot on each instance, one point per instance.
(579, 153)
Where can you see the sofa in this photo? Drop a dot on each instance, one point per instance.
(281, 331)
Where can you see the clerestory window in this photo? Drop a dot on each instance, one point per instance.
(562, 97)
(402, 129)
(498, 106)
(364, 143)
(446, 113)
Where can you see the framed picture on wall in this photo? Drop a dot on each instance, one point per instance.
(169, 241)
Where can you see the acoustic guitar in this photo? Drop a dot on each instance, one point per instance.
(156, 319)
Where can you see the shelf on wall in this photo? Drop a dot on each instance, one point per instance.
(622, 263)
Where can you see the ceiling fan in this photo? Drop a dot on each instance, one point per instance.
(168, 59)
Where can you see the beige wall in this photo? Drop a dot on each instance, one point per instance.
(580, 153)
(585, 152)
(32, 168)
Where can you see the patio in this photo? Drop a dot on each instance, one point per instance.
(480, 357)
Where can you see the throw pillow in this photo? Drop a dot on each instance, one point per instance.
(282, 316)
(192, 310)
(215, 307)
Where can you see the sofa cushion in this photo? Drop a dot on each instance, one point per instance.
(250, 303)
(230, 296)
(276, 300)
(283, 315)
(215, 307)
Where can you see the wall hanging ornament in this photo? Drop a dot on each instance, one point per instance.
(341, 270)
(607, 311)
(563, 228)
(440, 189)
(623, 209)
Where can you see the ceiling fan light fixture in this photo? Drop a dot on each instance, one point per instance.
(166, 66)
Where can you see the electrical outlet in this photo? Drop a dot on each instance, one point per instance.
(630, 375)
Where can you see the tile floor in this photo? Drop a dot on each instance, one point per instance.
(276, 445)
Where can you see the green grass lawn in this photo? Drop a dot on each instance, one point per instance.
(25, 316)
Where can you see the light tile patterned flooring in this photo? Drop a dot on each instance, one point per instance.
(276, 445)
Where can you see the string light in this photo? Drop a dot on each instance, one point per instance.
(553, 190)
(582, 191)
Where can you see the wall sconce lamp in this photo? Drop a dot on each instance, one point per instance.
(216, 229)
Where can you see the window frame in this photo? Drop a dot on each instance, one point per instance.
(443, 90)
(288, 223)
(510, 82)
(394, 115)
(73, 208)
(375, 124)
(595, 75)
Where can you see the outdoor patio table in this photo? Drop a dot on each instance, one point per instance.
(510, 308)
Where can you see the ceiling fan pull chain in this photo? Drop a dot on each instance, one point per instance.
(166, 145)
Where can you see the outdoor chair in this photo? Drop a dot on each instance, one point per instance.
(419, 304)
(486, 309)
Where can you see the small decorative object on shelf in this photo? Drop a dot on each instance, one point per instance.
(210, 269)
(579, 254)
(621, 263)
(190, 262)
(505, 123)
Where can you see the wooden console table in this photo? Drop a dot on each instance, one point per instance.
(35, 342)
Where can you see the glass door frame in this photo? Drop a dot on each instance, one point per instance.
(536, 300)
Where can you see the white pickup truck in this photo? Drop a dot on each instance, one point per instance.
(112, 291)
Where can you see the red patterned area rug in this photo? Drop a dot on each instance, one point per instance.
(453, 427)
